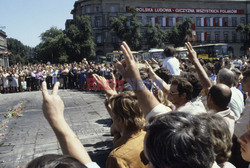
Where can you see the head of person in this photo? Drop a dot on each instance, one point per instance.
(226, 77)
(237, 75)
(245, 144)
(246, 81)
(218, 97)
(180, 91)
(209, 68)
(164, 74)
(55, 161)
(126, 113)
(178, 140)
(169, 51)
(194, 80)
(221, 136)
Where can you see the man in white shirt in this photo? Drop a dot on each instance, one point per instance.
(236, 104)
(170, 62)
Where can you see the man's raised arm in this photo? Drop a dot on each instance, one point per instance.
(192, 55)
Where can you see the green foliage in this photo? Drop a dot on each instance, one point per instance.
(180, 33)
(244, 29)
(128, 29)
(80, 41)
(155, 36)
(19, 52)
(52, 46)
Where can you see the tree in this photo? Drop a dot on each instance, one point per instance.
(180, 33)
(244, 29)
(20, 53)
(52, 47)
(155, 36)
(128, 29)
(80, 41)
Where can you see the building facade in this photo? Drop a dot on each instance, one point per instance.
(4, 54)
(214, 21)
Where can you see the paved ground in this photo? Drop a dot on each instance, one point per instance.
(24, 138)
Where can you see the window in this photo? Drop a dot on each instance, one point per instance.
(243, 20)
(180, 19)
(88, 10)
(114, 38)
(149, 19)
(82, 11)
(242, 37)
(198, 21)
(112, 9)
(234, 21)
(98, 21)
(225, 21)
(139, 18)
(207, 21)
(226, 36)
(217, 22)
(97, 9)
(170, 22)
(198, 35)
(217, 36)
(159, 21)
(234, 37)
(98, 38)
(208, 37)
(110, 21)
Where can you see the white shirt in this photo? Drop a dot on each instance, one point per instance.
(194, 107)
(172, 64)
(92, 165)
(237, 102)
(228, 115)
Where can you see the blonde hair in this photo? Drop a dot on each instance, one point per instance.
(125, 106)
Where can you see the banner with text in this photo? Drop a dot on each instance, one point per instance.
(187, 10)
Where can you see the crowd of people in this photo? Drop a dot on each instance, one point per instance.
(19, 78)
(176, 114)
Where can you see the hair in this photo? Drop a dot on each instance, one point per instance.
(164, 74)
(125, 106)
(237, 75)
(226, 77)
(55, 161)
(194, 80)
(210, 68)
(179, 140)
(183, 86)
(220, 97)
(169, 51)
(221, 136)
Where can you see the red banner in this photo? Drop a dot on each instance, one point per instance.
(187, 10)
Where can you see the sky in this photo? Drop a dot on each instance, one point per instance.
(25, 20)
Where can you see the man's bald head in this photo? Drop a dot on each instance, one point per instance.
(221, 95)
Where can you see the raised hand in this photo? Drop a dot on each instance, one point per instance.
(102, 81)
(104, 85)
(127, 67)
(53, 106)
(154, 61)
(191, 53)
(149, 69)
